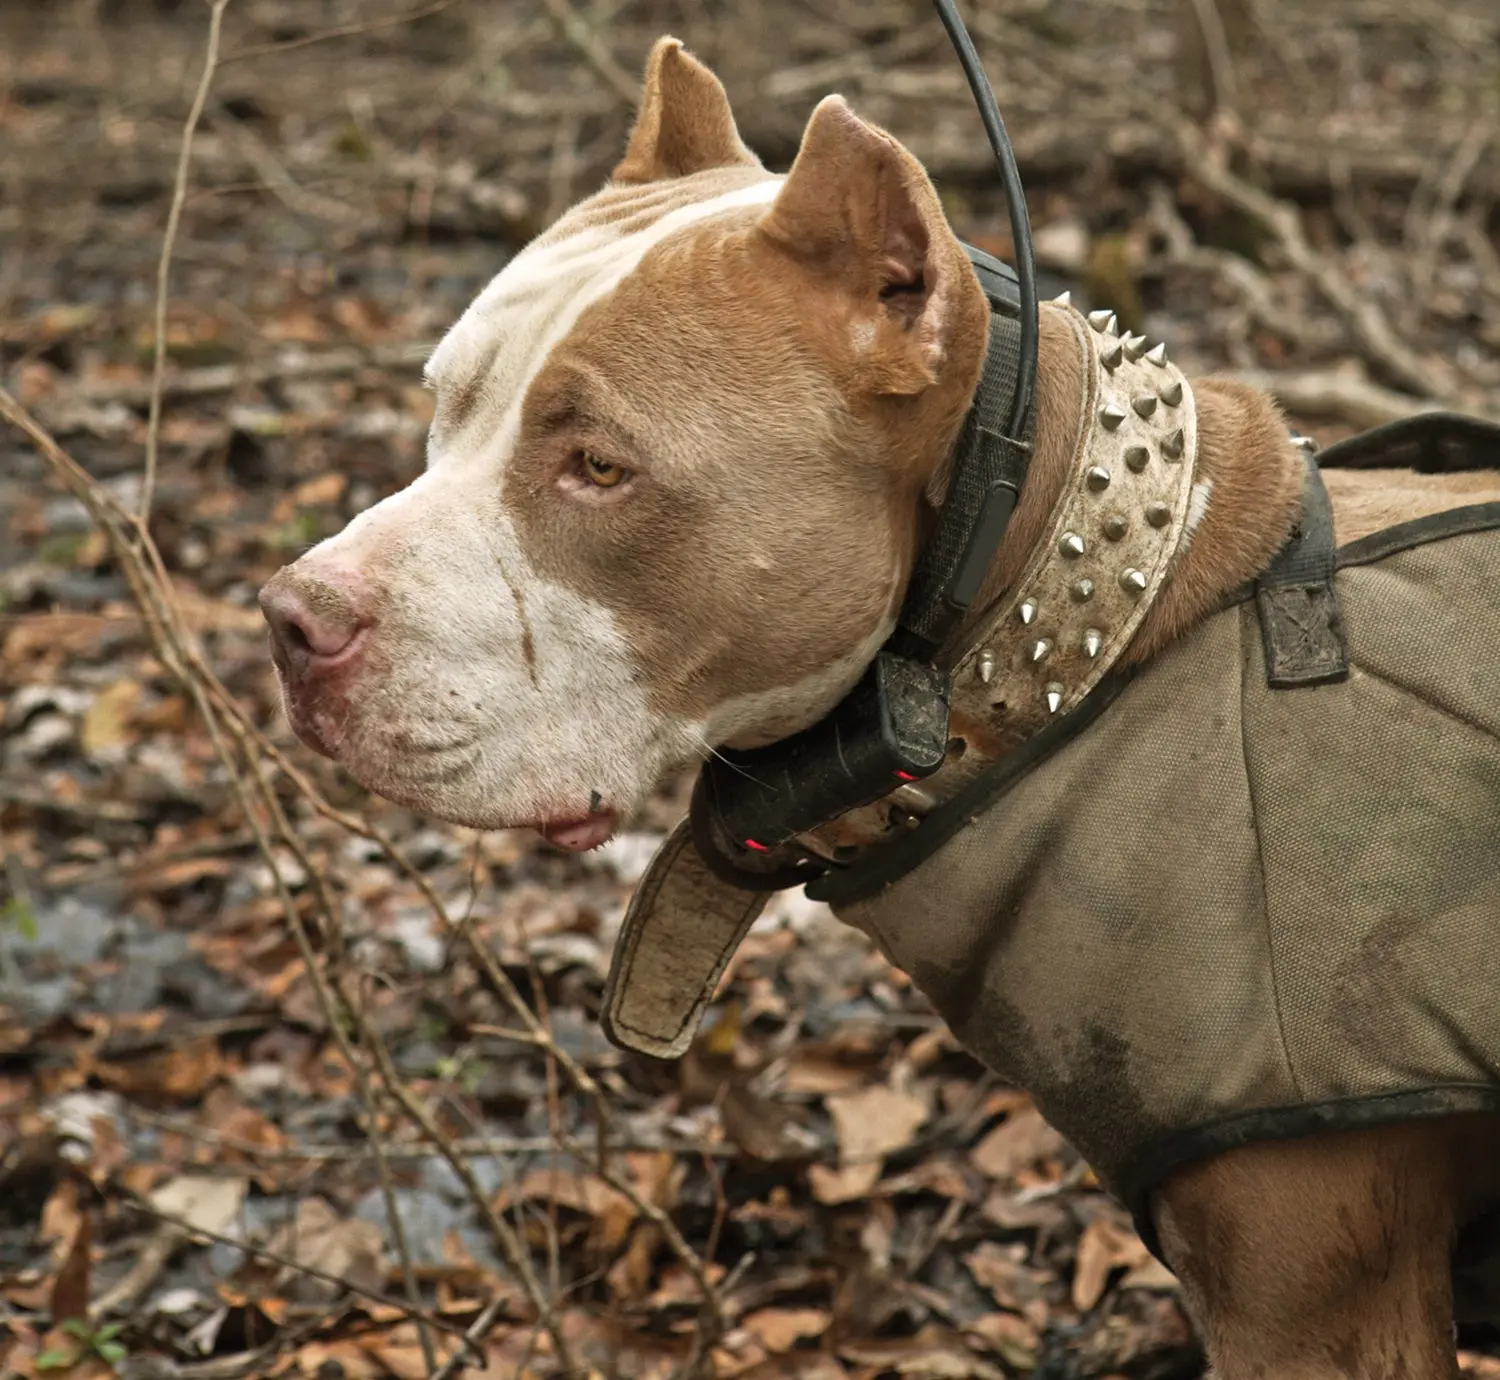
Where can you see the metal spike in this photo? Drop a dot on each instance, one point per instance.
(901, 818)
(1097, 478)
(1133, 581)
(1158, 514)
(1082, 591)
(1136, 458)
(1103, 320)
(1070, 544)
(1040, 648)
(1115, 527)
(1172, 393)
(1135, 346)
(1157, 355)
(1064, 299)
(1144, 405)
(1093, 640)
(1054, 697)
(1111, 415)
(1027, 611)
(984, 666)
(1172, 445)
(1113, 357)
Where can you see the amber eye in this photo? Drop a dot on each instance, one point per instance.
(602, 473)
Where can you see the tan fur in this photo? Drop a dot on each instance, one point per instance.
(1366, 501)
(869, 391)
(1328, 1256)
(785, 379)
(684, 124)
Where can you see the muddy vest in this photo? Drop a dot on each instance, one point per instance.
(1251, 892)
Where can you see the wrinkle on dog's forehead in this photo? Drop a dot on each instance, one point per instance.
(484, 365)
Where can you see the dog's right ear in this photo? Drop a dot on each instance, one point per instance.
(859, 209)
(684, 125)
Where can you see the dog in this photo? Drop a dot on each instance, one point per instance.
(686, 449)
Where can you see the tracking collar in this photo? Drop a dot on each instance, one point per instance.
(892, 728)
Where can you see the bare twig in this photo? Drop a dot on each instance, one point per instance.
(277, 179)
(1247, 282)
(1436, 226)
(582, 37)
(1344, 393)
(1220, 59)
(1362, 315)
(143, 1273)
(367, 26)
(164, 266)
(476, 1147)
(177, 1230)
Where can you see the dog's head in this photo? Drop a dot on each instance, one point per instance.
(674, 486)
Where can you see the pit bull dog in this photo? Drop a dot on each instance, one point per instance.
(686, 449)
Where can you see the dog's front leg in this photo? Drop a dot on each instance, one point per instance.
(1322, 1257)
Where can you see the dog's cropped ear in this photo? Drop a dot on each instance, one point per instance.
(861, 209)
(684, 124)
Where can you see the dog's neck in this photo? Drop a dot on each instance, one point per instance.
(1248, 485)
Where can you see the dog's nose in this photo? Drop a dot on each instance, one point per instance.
(312, 620)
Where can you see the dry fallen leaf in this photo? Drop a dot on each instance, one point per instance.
(70, 1289)
(1011, 1338)
(325, 488)
(874, 1121)
(174, 1073)
(830, 1185)
(586, 1193)
(200, 1201)
(933, 1354)
(1103, 1247)
(1021, 1140)
(1002, 1269)
(319, 1239)
(780, 1329)
(106, 724)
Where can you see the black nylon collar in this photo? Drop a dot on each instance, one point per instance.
(989, 470)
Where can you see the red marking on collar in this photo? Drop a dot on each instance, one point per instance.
(905, 776)
(758, 847)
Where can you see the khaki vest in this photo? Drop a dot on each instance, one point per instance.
(1224, 912)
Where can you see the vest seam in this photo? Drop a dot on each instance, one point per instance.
(1411, 692)
(1247, 665)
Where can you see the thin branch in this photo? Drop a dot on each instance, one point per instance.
(1363, 316)
(1220, 59)
(369, 26)
(1342, 392)
(474, 1147)
(583, 38)
(164, 266)
(182, 1230)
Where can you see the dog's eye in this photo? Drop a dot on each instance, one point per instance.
(603, 474)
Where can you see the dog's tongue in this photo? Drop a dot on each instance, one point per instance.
(579, 835)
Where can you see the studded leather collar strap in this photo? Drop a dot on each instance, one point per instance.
(1109, 548)
(1114, 531)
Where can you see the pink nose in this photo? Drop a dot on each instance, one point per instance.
(312, 620)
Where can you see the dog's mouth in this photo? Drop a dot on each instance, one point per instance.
(581, 834)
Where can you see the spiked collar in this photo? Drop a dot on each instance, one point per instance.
(1045, 645)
